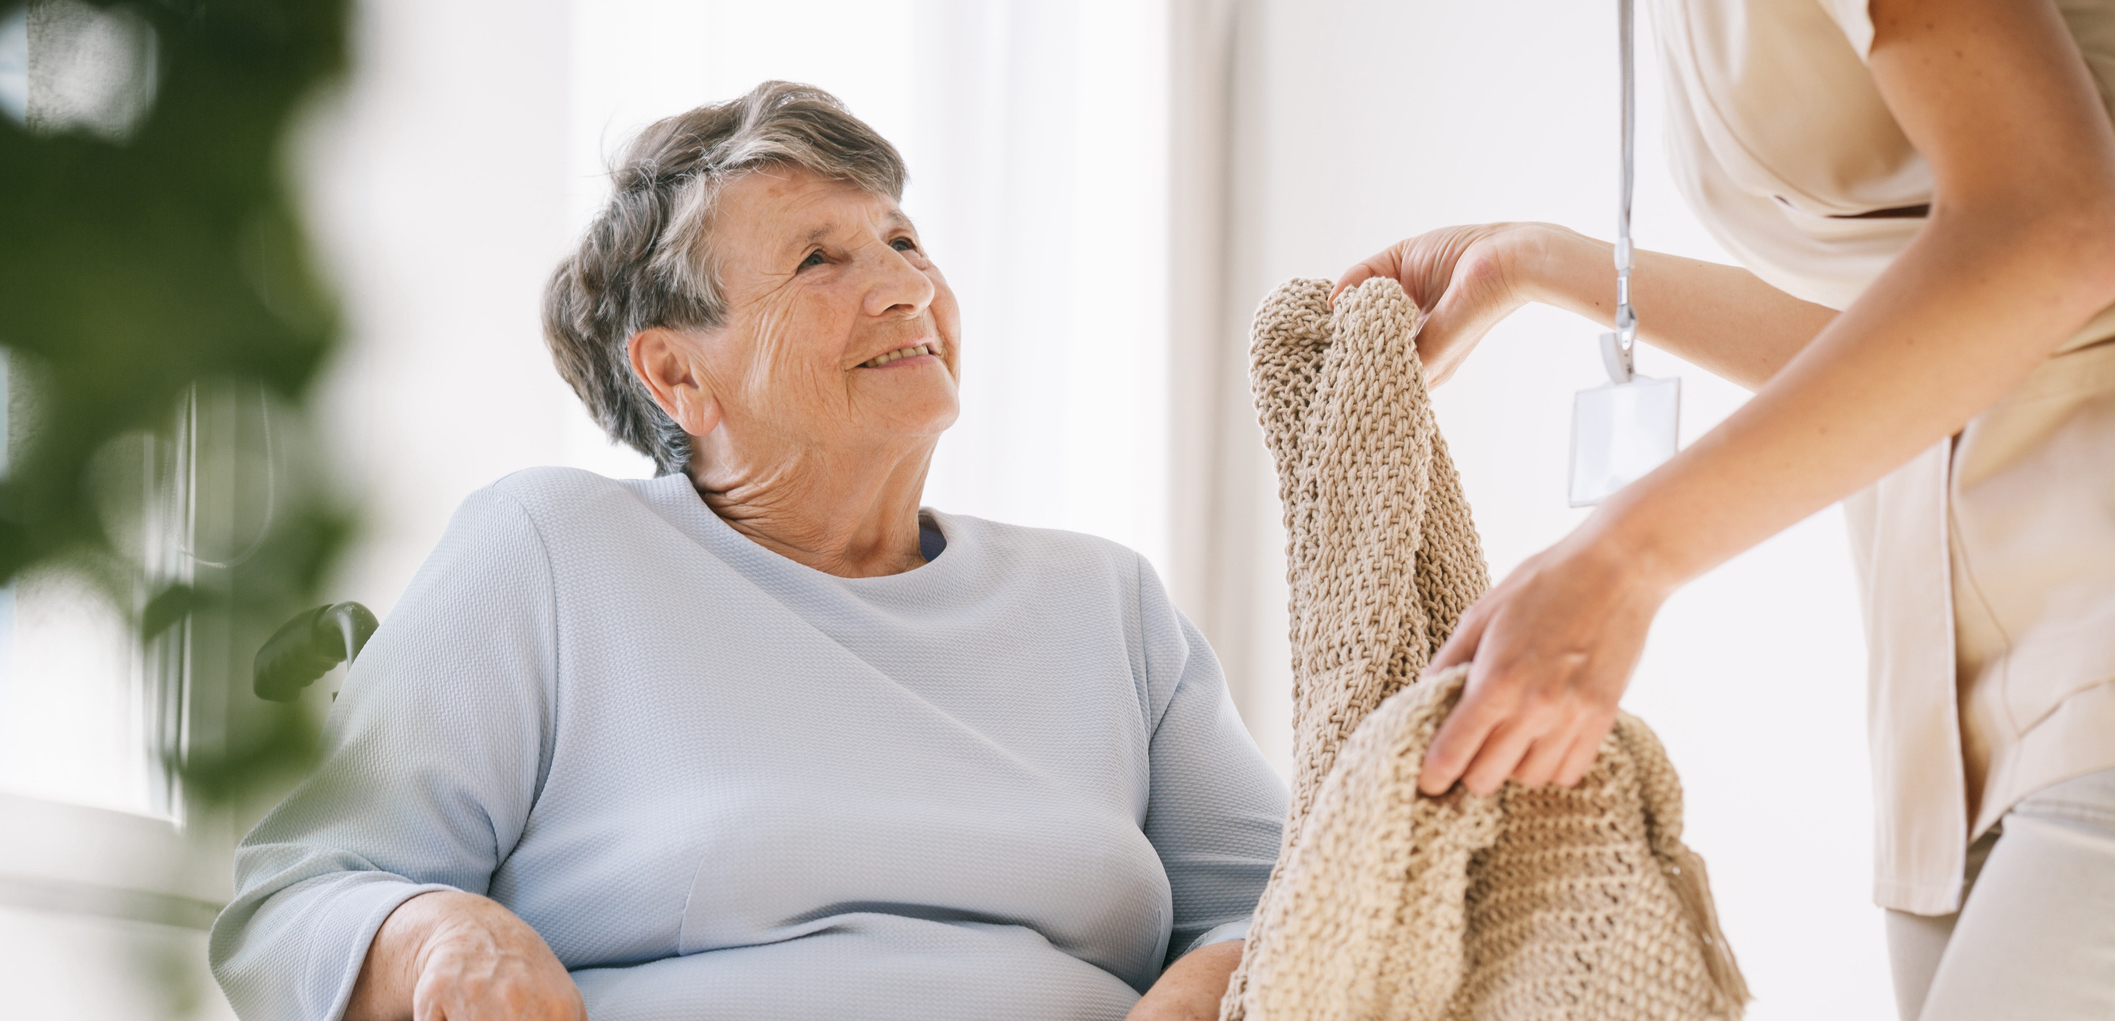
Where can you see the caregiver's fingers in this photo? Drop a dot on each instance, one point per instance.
(1462, 735)
(1501, 754)
(1450, 331)
(1548, 753)
(1460, 647)
(1474, 294)
(1386, 263)
(1586, 747)
(1466, 727)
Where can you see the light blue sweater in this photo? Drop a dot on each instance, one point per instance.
(1008, 784)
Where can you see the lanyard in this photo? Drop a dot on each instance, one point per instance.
(1621, 366)
(1625, 429)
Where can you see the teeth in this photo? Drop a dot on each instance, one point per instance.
(901, 352)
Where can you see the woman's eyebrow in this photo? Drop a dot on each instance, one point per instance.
(817, 235)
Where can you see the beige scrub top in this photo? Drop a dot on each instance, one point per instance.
(1987, 562)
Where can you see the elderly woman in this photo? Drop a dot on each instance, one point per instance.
(760, 738)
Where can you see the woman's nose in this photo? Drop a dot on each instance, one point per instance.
(898, 285)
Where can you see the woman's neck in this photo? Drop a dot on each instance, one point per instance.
(854, 515)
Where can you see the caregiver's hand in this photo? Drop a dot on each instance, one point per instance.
(1464, 278)
(452, 956)
(1553, 646)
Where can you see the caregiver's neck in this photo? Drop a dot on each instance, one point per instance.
(851, 513)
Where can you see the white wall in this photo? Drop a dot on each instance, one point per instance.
(1371, 120)
(437, 184)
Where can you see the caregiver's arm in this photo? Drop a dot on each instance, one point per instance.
(1722, 318)
(2018, 253)
(1467, 278)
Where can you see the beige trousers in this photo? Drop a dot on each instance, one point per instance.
(2035, 938)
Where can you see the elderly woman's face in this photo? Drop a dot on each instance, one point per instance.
(840, 331)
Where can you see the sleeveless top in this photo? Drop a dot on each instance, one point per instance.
(1987, 562)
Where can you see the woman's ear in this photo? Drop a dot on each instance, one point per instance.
(663, 360)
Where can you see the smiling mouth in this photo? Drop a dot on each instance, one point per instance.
(898, 354)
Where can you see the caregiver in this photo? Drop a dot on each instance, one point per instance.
(1922, 194)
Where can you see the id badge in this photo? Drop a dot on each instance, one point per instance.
(1621, 431)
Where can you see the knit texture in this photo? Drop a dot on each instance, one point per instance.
(1580, 904)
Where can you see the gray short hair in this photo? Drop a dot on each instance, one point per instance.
(647, 260)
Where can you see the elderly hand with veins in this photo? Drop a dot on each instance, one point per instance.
(453, 956)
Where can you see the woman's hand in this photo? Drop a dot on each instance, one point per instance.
(451, 956)
(1553, 646)
(1191, 988)
(1465, 279)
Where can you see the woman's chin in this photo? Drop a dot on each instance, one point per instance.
(922, 416)
(918, 399)
(928, 421)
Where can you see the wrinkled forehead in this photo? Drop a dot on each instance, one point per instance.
(794, 207)
(839, 228)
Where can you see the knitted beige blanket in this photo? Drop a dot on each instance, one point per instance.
(1578, 904)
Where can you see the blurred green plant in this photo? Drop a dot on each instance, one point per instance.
(164, 321)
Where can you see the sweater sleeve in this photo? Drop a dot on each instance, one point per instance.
(432, 758)
(1216, 808)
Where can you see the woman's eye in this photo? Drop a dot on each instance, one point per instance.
(904, 245)
(814, 258)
